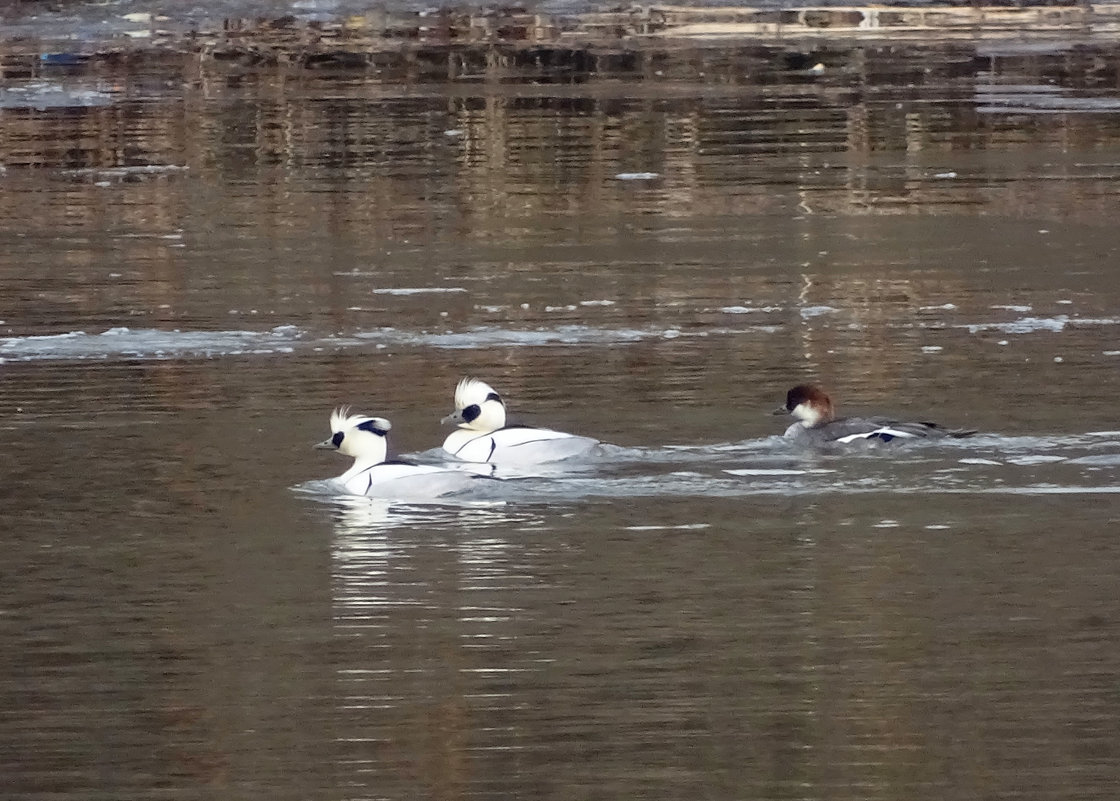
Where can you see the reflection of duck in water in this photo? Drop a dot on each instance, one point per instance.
(817, 423)
(363, 438)
(483, 436)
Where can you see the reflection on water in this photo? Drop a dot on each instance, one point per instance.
(201, 259)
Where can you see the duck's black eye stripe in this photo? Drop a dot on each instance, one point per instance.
(494, 396)
(471, 412)
(336, 440)
(371, 427)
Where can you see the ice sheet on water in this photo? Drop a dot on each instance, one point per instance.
(44, 95)
(127, 343)
(147, 343)
(1024, 325)
(420, 290)
(1029, 325)
(816, 311)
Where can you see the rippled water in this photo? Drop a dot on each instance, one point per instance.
(197, 267)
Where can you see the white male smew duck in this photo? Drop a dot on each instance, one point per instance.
(817, 423)
(364, 438)
(483, 436)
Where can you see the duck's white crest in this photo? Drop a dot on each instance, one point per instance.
(478, 407)
(473, 390)
(341, 419)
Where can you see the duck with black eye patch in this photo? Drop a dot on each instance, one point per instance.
(483, 435)
(364, 439)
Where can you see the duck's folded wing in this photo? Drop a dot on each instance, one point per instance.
(882, 429)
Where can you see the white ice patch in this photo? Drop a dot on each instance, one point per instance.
(758, 471)
(637, 176)
(816, 311)
(1024, 325)
(419, 290)
(1029, 325)
(1038, 458)
(43, 95)
(749, 309)
(148, 343)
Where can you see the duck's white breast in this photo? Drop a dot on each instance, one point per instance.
(516, 445)
(408, 481)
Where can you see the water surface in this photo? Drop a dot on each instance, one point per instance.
(200, 260)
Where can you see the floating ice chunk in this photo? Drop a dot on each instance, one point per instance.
(1038, 458)
(596, 303)
(932, 349)
(1101, 460)
(637, 176)
(420, 290)
(1011, 308)
(748, 309)
(816, 311)
(1024, 325)
(945, 306)
(979, 461)
(945, 175)
(681, 527)
(761, 471)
